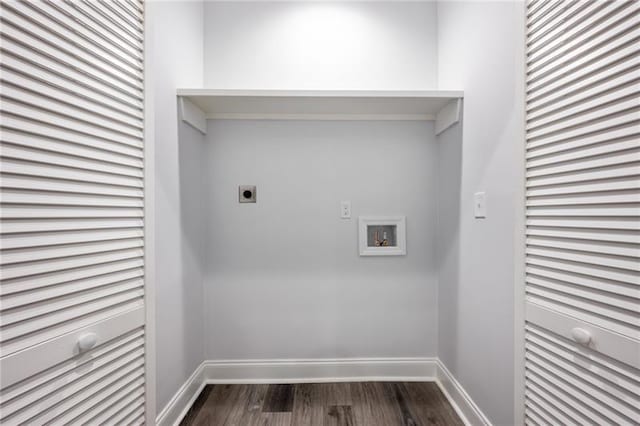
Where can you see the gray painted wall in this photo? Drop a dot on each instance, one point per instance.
(176, 58)
(320, 45)
(480, 50)
(285, 279)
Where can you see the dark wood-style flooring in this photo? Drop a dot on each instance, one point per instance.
(322, 404)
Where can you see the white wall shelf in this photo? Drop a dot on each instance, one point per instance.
(198, 105)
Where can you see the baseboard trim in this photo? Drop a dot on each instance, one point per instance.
(320, 371)
(466, 408)
(183, 399)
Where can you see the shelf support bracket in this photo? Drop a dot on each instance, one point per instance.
(191, 114)
(448, 115)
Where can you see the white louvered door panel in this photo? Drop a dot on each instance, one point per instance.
(583, 212)
(72, 211)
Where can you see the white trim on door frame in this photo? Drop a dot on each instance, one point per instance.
(520, 243)
(149, 226)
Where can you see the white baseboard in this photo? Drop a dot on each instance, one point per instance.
(319, 371)
(466, 408)
(178, 406)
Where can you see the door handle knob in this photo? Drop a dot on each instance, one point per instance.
(87, 341)
(581, 335)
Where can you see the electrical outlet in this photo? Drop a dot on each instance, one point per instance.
(247, 194)
(345, 209)
(480, 205)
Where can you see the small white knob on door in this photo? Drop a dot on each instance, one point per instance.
(581, 335)
(87, 341)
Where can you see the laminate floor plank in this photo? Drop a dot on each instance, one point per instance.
(253, 408)
(194, 410)
(276, 419)
(430, 405)
(337, 393)
(322, 404)
(339, 415)
(388, 404)
(408, 418)
(234, 418)
(279, 399)
(309, 404)
(219, 405)
(367, 404)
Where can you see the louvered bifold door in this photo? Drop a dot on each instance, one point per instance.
(72, 212)
(582, 336)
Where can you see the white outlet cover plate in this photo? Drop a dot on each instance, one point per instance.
(480, 205)
(345, 209)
